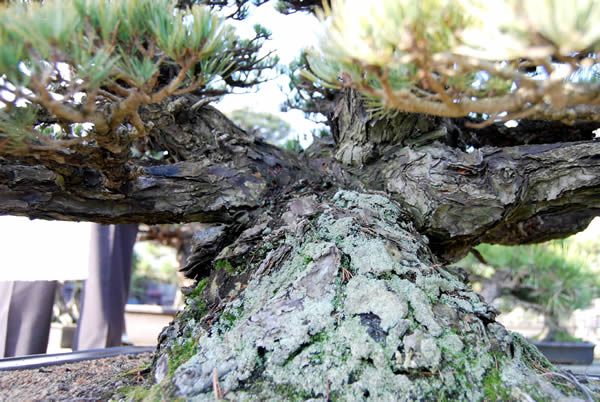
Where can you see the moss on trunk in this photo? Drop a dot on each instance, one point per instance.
(347, 302)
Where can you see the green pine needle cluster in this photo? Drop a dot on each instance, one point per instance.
(554, 275)
(101, 40)
(458, 57)
(57, 52)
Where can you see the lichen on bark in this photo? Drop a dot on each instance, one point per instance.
(350, 304)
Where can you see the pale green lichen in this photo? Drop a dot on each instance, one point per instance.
(457, 302)
(315, 250)
(431, 353)
(397, 330)
(369, 256)
(451, 344)
(434, 284)
(419, 303)
(366, 295)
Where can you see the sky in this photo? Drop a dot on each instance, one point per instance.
(43, 250)
(291, 33)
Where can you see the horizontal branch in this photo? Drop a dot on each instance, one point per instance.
(526, 184)
(509, 195)
(225, 174)
(185, 191)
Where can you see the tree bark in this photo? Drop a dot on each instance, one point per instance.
(214, 172)
(343, 299)
(303, 294)
(514, 195)
(517, 194)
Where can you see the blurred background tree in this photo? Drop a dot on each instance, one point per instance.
(154, 267)
(267, 126)
(553, 279)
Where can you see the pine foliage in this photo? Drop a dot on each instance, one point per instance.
(502, 60)
(98, 61)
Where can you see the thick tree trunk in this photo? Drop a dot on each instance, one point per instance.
(343, 300)
(303, 294)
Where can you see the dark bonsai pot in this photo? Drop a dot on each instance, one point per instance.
(567, 352)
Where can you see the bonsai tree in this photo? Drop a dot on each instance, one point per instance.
(323, 274)
(545, 278)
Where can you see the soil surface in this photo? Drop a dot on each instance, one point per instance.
(98, 379)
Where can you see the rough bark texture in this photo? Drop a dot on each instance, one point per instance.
(302, 294)
(218, 173)
(511, 195)
(344, 301)
(528, 192)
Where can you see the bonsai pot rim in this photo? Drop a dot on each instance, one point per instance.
(567, 352)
